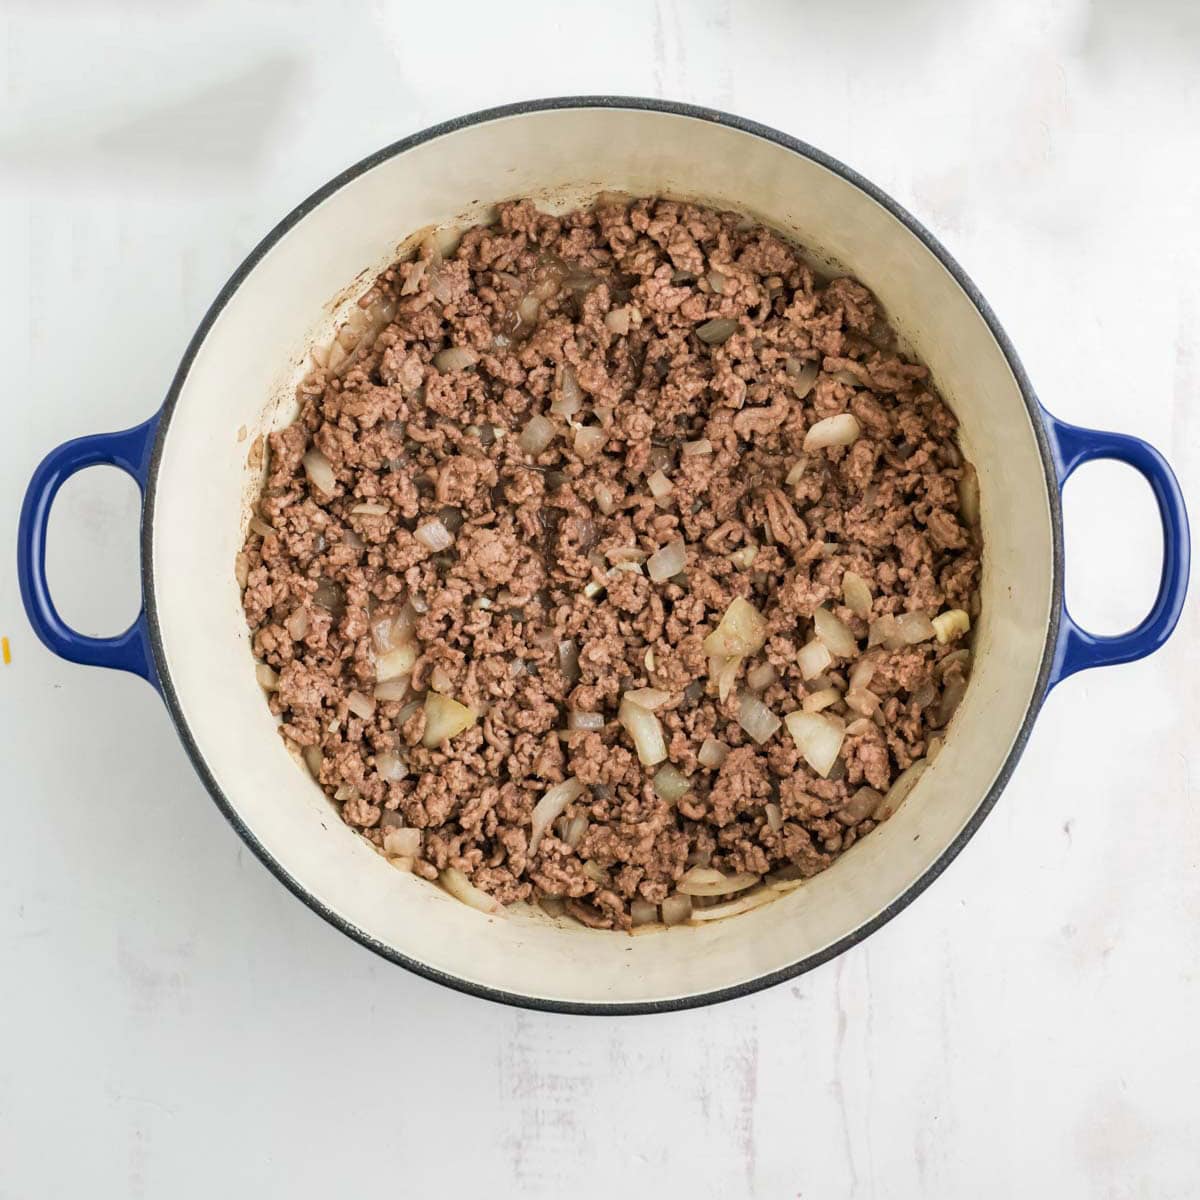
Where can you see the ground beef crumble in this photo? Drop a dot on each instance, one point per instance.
(540, 604)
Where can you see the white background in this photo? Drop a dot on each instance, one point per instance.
(173, 1023)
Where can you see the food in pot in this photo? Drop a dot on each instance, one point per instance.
(616, 561)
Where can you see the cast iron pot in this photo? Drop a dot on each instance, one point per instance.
(190, 640)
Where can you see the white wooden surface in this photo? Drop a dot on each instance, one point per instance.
(172, 1023)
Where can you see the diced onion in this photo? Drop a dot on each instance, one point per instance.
(833, 431)
(902, 785)
(699, 446)
(589, 440)
(952, 696)
(860, 806)
(950, 625)
(390, 629)
(617, 321)
(618, 554)
(717, 282)
(297, 624)
(774, 815)
(434, 535)
(705, 881)
(648, 698)
(605, 501)
(718, 912)
(815, 701)
(813, 658)
(884, 631)
(659, 485)
(756, 718)
(862, 701)
(550, 807)
(570, 398)
(319, 471)
(642, 912)
(312, 760)
(914, 627)
(744, 556)
(742, 631)
(968, 495)
(395, 663)
(862, 672)
(266, 676)
(797, 472)
(716, 331)
(392, 768)
(726, 673)
(668, 562)
(241, 569)
(671, 783)
(369, 510)
(537, 434)
(676, 909)
(801, 376)
(647, 734)
(360, 705)
(405, 843)
(445, 718)
(712, 753)
(568, 659)
(456, 358)
(585, 720)
(575, 831)
(461, 888)
(818, 738)
(857, 594)
(834, 633)
(759, 678)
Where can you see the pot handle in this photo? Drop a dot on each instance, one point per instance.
(130, 450)
(1077, 650)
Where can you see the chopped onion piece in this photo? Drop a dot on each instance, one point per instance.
(643, 912)
(659, 485)
(797, 472)
(550, 807)
(360, 705)
(859, 807)
(761, 677)
(833, 431)
(241, 569)
(744, 556)
(705, 881)
(395, 663)
(950, 625)
(648, 698)
(717, 282)
(952, 696)
(716, 331)
(774, 815)
(585, 720)
(914, 627)
(756, 718)
(815, 701)
(813, 658)
(319, 471)
(589, 440)
(712, 753)
(266, 676)
(461, 888)
(801, 376)
(405, 843)
(857, 595)
(676, 909)
(968, 495)
(885, 631)
(575, 831)
(434, 535)
(390, 629)
(456, 358)
(848, 378)
(835, 634)
(718, 912)
(862, 700)
(297, 624)
(537, 434)
(568, 660)
(625, 554)
(312, 760)
(862, 672)
(617, 321)
(392, 768)
(671, 783)
(370, 510)
(699, 446)
(668, 562)
(902, 785)
(742, 631)
(647, 734)
(445, 718)
(818, 738)
(605, 501)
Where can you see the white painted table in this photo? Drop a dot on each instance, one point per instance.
(173, 1023)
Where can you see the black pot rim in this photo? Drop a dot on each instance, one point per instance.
(297, 888)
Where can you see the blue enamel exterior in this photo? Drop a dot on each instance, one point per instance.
(1077, 650)
(131, 451)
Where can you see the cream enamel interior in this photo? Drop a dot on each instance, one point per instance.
(243, 373)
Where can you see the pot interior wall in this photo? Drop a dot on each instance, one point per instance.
(242, 379)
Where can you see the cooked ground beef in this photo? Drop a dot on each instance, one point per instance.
(402, 522)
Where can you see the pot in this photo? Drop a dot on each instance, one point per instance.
(237, 380)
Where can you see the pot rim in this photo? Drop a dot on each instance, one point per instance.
(516, 999)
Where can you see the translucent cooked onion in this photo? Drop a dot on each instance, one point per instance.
(434, 535)
(813, 658)
(461, 888)
(585, 720)
(297, 624)
(404, 843)
(885, 632)
(950, 625)
(605, 501)
(618, 554)
(718, 912)
(952, 696)
(648, 698)
(668, 562)
(744, 557)
(676, 909)
(647, 734)
(550, 807)
(568, 659)
(312, 760)
(968, 495)
(801, 376)
(716, 331)
(456, 358)
(833, 431)
(862, 672)
(774, 815)
(319, 471)
(537, 434)
(395, 663)
(259, 526)
(671, 783)
(617, 321)
(660, 486)
(241, 570)
(901, 787)
(856, 594)
(570, 395)
(589, 440)
(862, 701)
(835, 634)
(759, 678)
(444, 718)
(742, 631)
(712, 753)
(818, 738)
(266, 676)
(699, 446)
(756, 718)
(717, 282)
(370, 510)
(914, 627)
(797, 472)
(391, 629)
(576, 828)
(360, 705)
(705, 881)
(391, 767)
(642, 912)
(816, 701)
